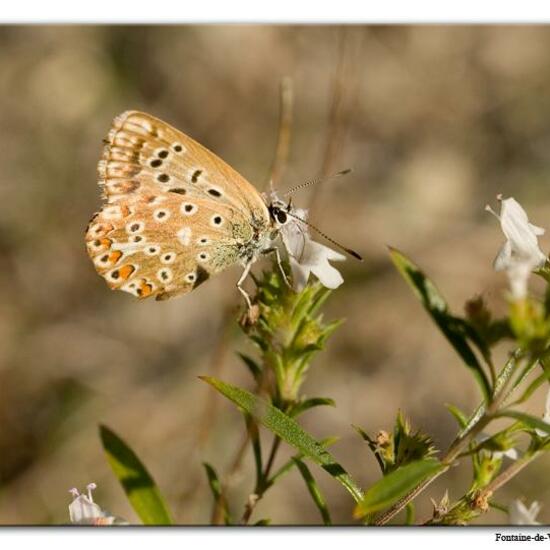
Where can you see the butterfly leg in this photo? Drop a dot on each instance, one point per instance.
(240, 283)
(275, 251)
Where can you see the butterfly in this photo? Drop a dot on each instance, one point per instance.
(175, 214)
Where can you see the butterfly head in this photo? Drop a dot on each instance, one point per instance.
(279, 212)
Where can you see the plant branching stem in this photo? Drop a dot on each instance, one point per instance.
(480, 418)
(263, 483)
(508, 474)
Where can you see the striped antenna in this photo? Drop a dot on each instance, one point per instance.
(316, 181)
(341, 247)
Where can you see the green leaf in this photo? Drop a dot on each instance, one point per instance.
(288, 430)
(217, 492)
(307, 404)
(253, 367)
(314, 491)
(398, 483)
(459, 416)
(139, 486)
(372, 446)
(287, 466)
(452, 327)
(530, 421)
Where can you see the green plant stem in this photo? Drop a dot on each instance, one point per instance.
(479, 419)
(263, 483)
(480, 501)
(453, 452)
(217, 510)
(508, 474)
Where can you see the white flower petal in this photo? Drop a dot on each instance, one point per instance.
(82, 509)
(520, 254)
(502, 261)
(307, 256)
(537, 230)
(300, 275)
(518, 514)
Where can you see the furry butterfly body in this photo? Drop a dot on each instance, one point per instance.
(175, 213)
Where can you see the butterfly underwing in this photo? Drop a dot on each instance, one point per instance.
(174, 213)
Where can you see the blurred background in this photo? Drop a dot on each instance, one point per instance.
(434, 121)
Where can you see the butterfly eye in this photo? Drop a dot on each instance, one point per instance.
(281, 217)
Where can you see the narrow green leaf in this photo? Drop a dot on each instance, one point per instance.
(254, 434)
(217, 492)
(139, 486)
(532, 387)
(262, 522)
(288, 430)
(309, 404)
(314, 491)
(398, 483)
(287, 466)
(502, 379)
(253, 367)
(530, 421)
(459, 416)
(452, 327)
(372, 446)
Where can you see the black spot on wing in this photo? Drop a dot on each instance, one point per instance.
(202, 275)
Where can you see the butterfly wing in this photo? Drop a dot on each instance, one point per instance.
(144, 154)
(175, 213)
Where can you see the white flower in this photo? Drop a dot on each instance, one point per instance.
(84, 511)
(546, 416)
(307, 256)
(520, 254)
(511, 453)
(519, 514)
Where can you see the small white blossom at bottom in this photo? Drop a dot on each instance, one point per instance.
(546, 416)
(84, 511)
(307, 256)
(519, 514)
(520, 254)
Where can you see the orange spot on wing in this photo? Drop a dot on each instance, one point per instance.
(115, 256)
(145, 289)
(125, 271)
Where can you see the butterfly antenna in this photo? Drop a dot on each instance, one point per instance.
(340, 246)
(316, 181)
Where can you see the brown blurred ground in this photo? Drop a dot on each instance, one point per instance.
(434, 122)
